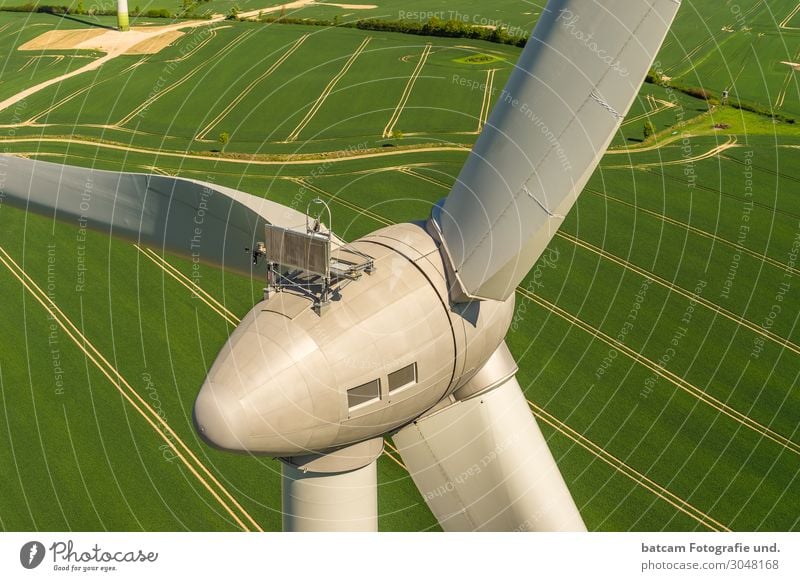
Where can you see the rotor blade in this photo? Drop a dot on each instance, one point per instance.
(482, 464)
(205, 222)
(565, 100)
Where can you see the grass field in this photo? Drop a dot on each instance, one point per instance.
(21, 69)
(514, 15)
(181, 97)
(667, 388)
(741, 48)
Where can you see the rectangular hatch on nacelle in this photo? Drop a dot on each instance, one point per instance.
(309, 262)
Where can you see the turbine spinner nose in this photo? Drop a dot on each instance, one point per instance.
(271, 390)
(219, 418)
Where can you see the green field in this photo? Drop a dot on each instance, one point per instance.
(740, 48)
(22, 69)
(518, 17)
(684, 419)
(171, 102)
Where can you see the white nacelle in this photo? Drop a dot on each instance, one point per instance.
(280, 385)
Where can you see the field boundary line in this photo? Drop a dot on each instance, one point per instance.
(212, 32)
(80, 91)
(662, 372)
(626, 470)
(166, 90)
(332, 158)
(486, 108)
(246, 91)
(419, 176)
(222, 312)
(633, 149)
(672, 287)
(27, 64)
(787, 81)
(326, 92)
(397, 461)
(58, 104)
(785, 23)
(654, 110)
(157, 170)
(196, 286)
(688, 56)
(363, 211)
(404, 97)
(66, 99)
(723, 193)
(694, 63)
(117, 380)
(693, 229)
(389, 443)
(732, 142)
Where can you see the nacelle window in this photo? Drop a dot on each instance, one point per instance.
(364, 393)
(403, 377)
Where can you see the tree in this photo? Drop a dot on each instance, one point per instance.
(223, 139)
(397, 134)
(649, 129)
(656, 77)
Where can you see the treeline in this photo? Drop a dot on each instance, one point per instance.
(655, 78)
(153, 13)
(443, 28)
(48, 9)
(431, 27)
(760, 109)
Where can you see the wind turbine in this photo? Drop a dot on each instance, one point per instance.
(122, 15)
(402, 331)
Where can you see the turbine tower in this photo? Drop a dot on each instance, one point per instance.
(122, 15)
(401, 332)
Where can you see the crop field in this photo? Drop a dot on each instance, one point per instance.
(287, 98)
(657, 340)
(663, 107)
(21, 69)
(742, 48)
(512, 14)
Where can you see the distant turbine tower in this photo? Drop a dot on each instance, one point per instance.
(122, 15)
